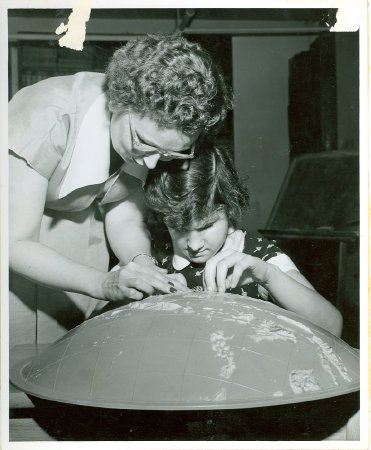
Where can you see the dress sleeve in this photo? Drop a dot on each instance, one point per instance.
(38, 128)
(269, 251)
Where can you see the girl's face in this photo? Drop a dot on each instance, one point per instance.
(203, 240)
(139, 139)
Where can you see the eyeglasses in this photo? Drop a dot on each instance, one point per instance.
(144, 149)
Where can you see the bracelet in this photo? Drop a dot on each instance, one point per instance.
(153, 259)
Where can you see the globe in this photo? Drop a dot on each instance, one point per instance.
(192, 351)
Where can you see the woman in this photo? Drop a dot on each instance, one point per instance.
(80, 148)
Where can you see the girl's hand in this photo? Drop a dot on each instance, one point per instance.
(234, 269)
(134, 280)
(235, 241)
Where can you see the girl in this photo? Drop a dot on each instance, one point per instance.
(194, 211)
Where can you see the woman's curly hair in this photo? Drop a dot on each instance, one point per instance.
(173, 81)
(178, 198)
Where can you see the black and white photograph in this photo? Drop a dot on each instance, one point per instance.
(184, 225)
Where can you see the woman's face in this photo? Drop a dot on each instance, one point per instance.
(203, 240)
(139, 139)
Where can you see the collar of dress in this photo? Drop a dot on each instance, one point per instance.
(179, 262)
(92, 151)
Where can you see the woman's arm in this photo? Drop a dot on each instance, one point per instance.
(126, 229)
(291, 290)
(129, 237)
(43, 265)
(27, 256)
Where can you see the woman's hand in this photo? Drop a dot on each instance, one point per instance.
(135, 280)
(233, 269)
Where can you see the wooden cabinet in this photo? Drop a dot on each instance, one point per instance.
(312, 107)
(316, 221)
(316, 215)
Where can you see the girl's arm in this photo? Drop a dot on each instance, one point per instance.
(291, 290)
(43, 265)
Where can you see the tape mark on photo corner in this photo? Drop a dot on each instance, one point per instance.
(75, 29)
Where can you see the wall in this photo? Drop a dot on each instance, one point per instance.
(260, 81)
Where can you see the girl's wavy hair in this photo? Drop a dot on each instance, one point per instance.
(179, 197)
(173, 81)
